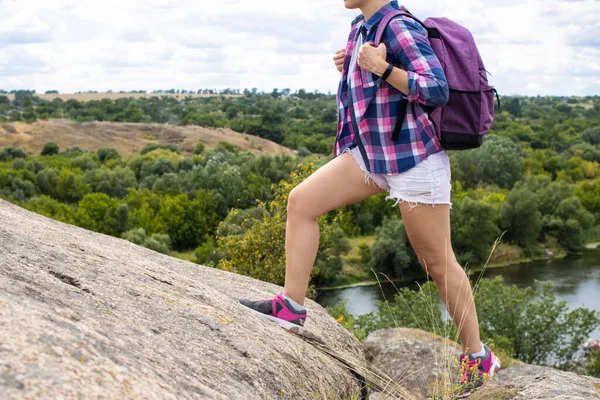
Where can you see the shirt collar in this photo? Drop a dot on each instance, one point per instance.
(378, 16)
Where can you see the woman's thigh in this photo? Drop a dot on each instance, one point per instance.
(338, 183)
(428, 229)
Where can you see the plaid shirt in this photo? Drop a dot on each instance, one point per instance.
(368, 107)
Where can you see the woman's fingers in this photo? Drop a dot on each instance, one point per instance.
(338, 59)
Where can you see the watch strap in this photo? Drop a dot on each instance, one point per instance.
(387, 72)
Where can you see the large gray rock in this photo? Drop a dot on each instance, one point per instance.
(541, 384)
(419, 361)
(84, 315)
(425, 365)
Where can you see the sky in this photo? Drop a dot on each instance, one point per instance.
(530, 47)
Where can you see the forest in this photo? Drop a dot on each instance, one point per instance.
(535, 182)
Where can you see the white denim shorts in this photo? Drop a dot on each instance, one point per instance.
(426, 183)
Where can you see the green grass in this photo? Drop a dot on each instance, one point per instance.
(354, 242)
(187, 256)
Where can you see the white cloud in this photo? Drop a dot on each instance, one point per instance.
(531, 47)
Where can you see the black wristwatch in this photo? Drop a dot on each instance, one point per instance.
(387, 72)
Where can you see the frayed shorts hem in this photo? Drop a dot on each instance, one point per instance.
(412, 203)
(428, 183)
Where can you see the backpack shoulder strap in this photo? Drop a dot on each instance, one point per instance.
(386, 21)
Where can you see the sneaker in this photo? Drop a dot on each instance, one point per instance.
(476, 371)
(279, 310)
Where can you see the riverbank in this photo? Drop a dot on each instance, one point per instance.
(359, 279)
(576, 279)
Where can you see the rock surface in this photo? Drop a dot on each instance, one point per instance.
(84, 315)
(423, 363)
(419, 361)
(540, 384)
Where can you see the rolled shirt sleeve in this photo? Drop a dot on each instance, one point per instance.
(408, 42)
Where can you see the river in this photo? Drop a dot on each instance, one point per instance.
(576, 280)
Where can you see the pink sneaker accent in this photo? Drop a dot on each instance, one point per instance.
(279, 310)
(484, 367)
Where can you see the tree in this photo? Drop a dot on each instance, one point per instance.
(84, 162)
(15, 116)
(132, 113)
(50, 148)
(391, 253)
(157, 242)
(29, 115)
(588, 193)
(97, 212)
(498, 161)
(189, 222)
(52, 208)
(520, 217)
(257, 247)
(199, 148)
(114, 183)
(105, 154)
(592, 135)
(14, 188)
(530, 324)
(474, 230)
(10, 153)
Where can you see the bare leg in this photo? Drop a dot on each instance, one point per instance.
(338, 183)
(428, 229)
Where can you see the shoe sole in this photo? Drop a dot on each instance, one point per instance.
(288, 326)
(496, 365)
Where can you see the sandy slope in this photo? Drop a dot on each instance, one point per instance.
(127, 138)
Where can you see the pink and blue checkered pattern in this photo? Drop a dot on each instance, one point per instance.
(368, 107)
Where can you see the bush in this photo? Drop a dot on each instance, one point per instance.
(84, 162)
(153, 146)
(207, 254)
(520, 217)
(14, 188)
(10, 153)
(535, 327)
(199, 148)
(411, 309)
(157, 242)
(347, 320)
(136, 235)
(50, 148)
(19, 163)
(528, 323)
(391, 253)
(257, 248)
(593, 363)
(474, 230)
(105, 154)
(52, 208)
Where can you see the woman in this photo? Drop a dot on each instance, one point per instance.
(376, 82)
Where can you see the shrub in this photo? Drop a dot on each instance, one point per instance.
(50, 148)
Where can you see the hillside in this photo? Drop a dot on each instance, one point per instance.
(126, 138)
(115, 96)
(85, 315)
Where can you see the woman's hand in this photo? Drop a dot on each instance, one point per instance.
(372, 59)
(338, 59)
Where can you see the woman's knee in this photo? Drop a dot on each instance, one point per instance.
(298, 204)
(438, 268)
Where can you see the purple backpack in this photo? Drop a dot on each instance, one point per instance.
(468, 115)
